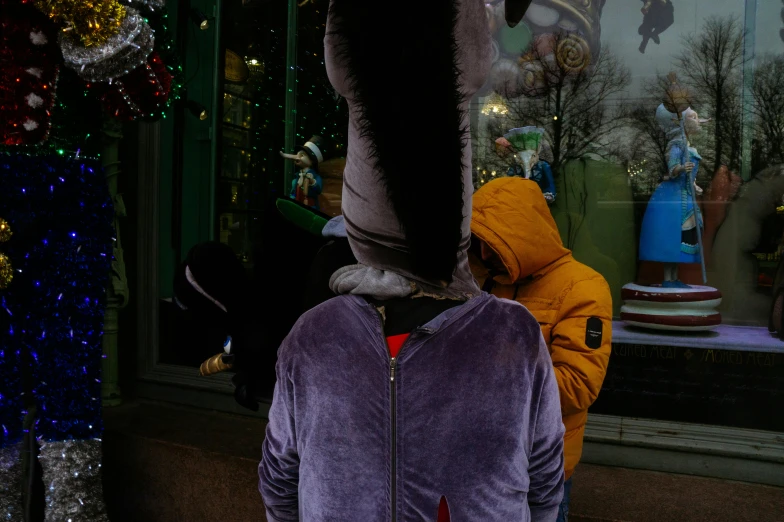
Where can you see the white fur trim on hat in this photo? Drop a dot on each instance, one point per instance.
(314, 148)
(198, 288)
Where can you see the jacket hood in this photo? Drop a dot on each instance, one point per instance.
(511, 215)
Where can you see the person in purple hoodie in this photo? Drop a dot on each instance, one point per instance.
(411, 389)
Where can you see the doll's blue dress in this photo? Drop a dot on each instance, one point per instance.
(662, 237)
(541, 173)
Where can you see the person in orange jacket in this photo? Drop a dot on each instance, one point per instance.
(518, 254)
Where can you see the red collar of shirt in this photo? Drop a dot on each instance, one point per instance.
(395, 342)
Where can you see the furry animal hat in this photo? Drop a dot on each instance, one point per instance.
(404, 215)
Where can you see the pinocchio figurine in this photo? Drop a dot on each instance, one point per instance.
(307, 185)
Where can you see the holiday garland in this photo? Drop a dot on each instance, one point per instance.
(6, 270)
(122, 55)
(52, 326)
(28, 73)
(92, 22)
(162, 71)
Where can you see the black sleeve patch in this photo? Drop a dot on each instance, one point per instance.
(593, 333)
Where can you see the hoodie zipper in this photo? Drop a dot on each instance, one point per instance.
(392, 367)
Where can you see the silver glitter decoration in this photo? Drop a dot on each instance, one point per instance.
(72, 479)
(122, 53)
(11, 508)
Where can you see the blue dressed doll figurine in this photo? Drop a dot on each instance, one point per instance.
(307, 185)
(669, 232)
(527, 142)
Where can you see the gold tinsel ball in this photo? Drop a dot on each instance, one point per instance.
(90, 22)
(5, 231)
(6, 273)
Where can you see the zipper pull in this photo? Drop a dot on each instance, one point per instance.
(392, 364)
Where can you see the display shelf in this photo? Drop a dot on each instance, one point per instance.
(724, 337)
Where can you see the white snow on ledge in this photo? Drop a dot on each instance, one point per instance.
(724, 337)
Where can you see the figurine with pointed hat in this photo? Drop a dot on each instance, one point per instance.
(526, 142)
(307, 185)
(671, 231)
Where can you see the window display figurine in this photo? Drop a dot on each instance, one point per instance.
(671, 234)
(307, 186)
(669, 230)
(528, 142)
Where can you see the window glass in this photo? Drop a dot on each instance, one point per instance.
(321, 115)
(606, 83)
(591, 74)
(250, 79)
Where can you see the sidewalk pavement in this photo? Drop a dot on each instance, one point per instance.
(607, 494)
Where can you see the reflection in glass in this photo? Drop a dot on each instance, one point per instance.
(592, 74)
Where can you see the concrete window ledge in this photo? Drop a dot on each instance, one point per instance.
(724, 337)
(693, 449)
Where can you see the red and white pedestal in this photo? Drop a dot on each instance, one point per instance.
(692, 309)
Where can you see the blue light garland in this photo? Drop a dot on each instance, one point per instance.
(51, 316)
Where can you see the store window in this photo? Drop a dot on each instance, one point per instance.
(601, 87)
(272, 101)
(228, 140)
(606, 93)
(591, 76)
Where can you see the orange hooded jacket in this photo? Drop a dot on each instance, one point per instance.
(571, 302)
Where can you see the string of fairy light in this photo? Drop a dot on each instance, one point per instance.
(62, 215)
(320, 111)
(96, 24)
(57, 212)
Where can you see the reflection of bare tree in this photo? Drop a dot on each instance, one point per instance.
(569, 92)
(569, 98)
(710, 62)
(768, 108)
(649, 141)
(647, 153)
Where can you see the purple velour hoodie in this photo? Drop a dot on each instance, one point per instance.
(469, 411)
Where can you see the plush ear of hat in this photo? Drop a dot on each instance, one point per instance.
(393, 62)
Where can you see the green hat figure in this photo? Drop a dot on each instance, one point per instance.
(527, 142)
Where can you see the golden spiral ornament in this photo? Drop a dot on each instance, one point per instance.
(532, 74)
(573, 53)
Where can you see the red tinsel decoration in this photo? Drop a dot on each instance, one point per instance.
(28, 73)
(140, 94)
